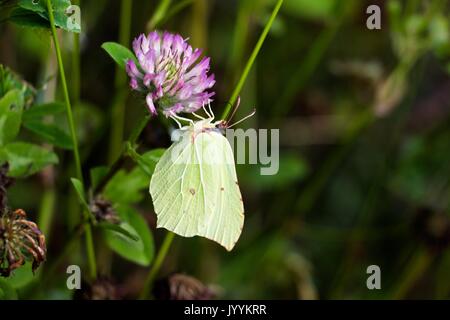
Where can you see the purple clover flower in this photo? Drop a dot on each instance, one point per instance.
(169, 75)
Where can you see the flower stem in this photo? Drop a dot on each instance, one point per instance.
(66, 91)
(138, 129)
(75, 71)
(199, 24)
(174, 9)
(157, 265)
(89, 242)
(90, 251)
(76, 65)
(251, 60)
(159, 14)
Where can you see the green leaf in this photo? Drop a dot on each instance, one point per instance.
(27, 18)
(119, 53)
(38, 112)
(34, 13)
(25, 159)
(141, 251)
(11, 106)
(117, 228)
(22, 276)
(148, 160)
(125, 187)
(42, 119)
(7, 292)
(9, 80)
(51, 133)
(78, 186)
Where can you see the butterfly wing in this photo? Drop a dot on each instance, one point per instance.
(194, 189)
(225, 223)
(174, 176)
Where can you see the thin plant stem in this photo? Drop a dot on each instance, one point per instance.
(199, 24)
(240, 35)
(76, 65)
(173, 11)
(72, 212)
(124, 34)
(118, 109)
(89, 241)
(251, 60)
(157, 265)
(66, 92)
(134, 136)
(90, 251)
(159, 14)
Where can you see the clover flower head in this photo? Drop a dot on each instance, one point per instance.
(170, 73)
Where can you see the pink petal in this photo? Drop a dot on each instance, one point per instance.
(150, 104)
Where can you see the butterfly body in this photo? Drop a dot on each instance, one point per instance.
(194, 187)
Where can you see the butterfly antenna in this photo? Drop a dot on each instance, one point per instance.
(206, 111)
(182, 119)
(243, 119)
(234, 110)
(178, 122)
(210, 109)
(197, 116)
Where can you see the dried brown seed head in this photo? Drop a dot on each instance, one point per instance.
(103, 210)
(20, 240)
(183, 287)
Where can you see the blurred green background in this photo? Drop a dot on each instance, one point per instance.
(364, 120)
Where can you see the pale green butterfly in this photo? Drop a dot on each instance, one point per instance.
(194, 186)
